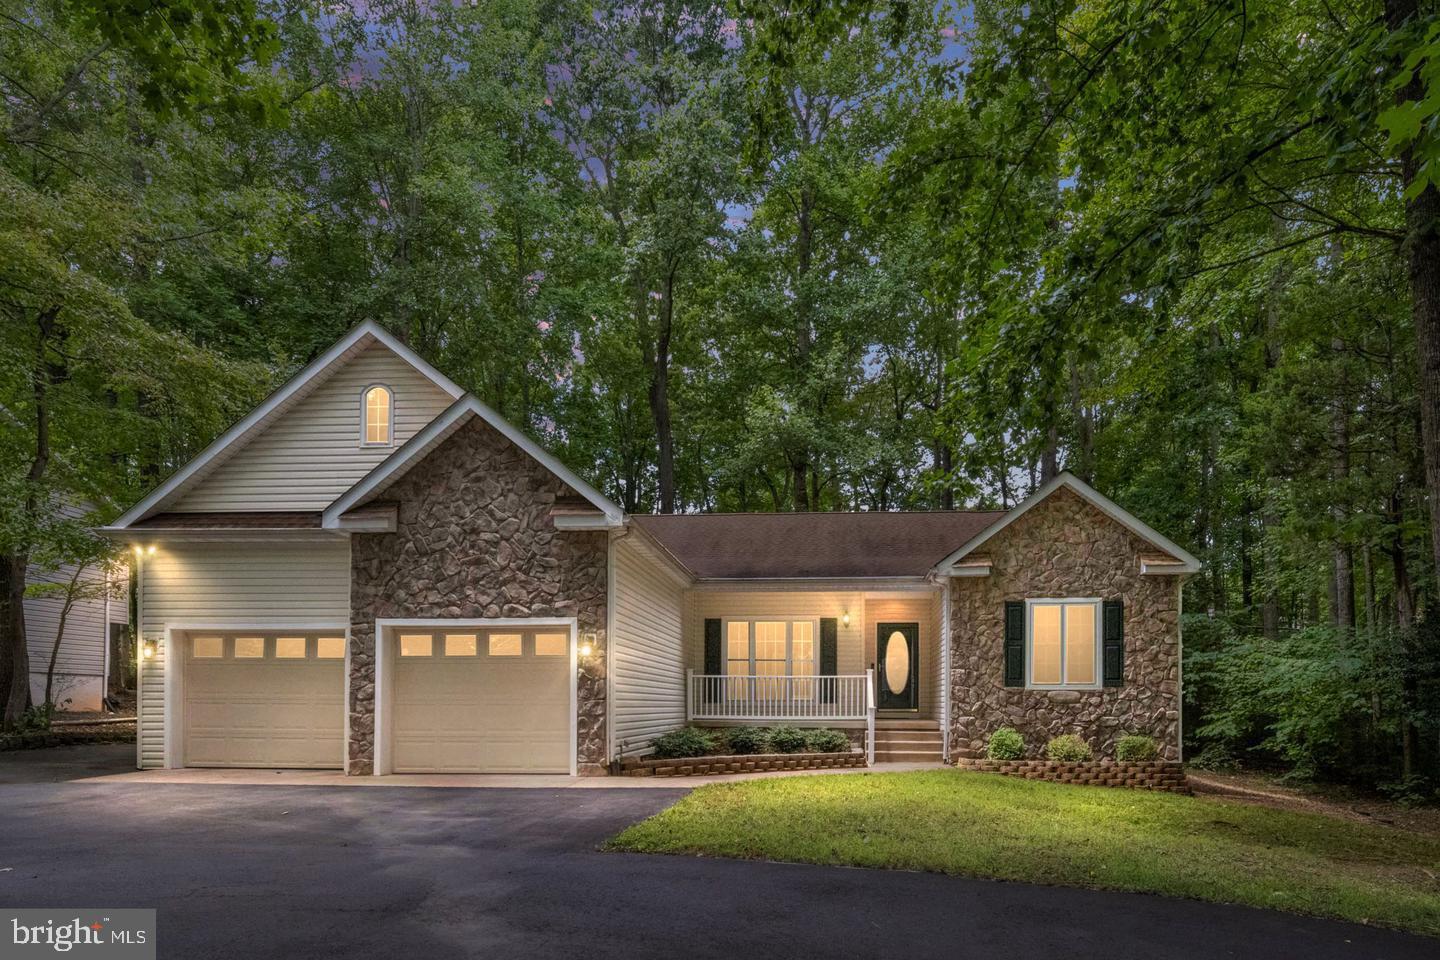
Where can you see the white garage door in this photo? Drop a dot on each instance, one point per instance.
(275, 700)
(482, 701)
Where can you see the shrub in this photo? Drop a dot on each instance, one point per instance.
(1136, 747)
(1068, 748)
(748, 739)
(684, 742)
(787, 740)
(1006, 744)
(827, 741)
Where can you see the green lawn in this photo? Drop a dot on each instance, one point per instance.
(987, 825)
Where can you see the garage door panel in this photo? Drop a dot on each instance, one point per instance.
(481, 713)
(263, 712)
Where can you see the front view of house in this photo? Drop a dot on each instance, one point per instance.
(375, 572)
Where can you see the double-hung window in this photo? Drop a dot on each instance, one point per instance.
(1063, 643)
(771, 653)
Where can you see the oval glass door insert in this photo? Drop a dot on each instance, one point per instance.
(897, 663)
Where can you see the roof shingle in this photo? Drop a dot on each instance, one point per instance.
(768, 546)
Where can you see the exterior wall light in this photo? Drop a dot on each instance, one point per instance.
(150, 550)
(147, 649)
(587, 644)
(139, 550)
(845, 618)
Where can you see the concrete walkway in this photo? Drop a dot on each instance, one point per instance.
(114, 763)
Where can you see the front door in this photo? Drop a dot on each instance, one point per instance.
(897, 656)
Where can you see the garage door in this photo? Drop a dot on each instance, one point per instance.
(488, 701)
(275, 700)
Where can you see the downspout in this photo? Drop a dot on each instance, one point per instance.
(945, 684)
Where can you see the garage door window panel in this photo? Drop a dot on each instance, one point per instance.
(249, 648)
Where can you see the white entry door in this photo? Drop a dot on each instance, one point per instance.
(264, 700)
(469, 700)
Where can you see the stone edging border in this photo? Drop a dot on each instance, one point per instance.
(747, 763)
(1164, 775)
(65, 738)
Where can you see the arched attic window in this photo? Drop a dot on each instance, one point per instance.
(377, 412)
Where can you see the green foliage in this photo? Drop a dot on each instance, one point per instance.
(37, 719)
(1068, 748)
(1136, 747)
(788, 740)
(1006, 744)
(683, 742)
(826, 741)
(747, 740)
(1322, 702)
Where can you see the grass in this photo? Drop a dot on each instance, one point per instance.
(985, 825)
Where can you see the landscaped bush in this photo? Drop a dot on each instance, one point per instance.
(1136, 747)
(684, 742)
(788, 740)
(1006, 744)
(827, 741)
(748, 739)
(1068, 748)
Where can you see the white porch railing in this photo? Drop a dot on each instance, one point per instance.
(771, 699)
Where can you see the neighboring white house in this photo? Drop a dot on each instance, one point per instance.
(82, 664)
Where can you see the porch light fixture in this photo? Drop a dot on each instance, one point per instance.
(587, 644)
(845, 618)
(147, 649)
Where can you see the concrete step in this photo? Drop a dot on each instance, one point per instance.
(907, 756)
(882, 723)
(917, 736)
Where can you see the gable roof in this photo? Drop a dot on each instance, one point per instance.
(1184, 562)
(361, 337)
(794, 546)
(414, 450)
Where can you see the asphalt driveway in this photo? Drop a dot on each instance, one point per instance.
(311, 872)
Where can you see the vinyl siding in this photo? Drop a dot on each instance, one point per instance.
(312, 454)
(780, 605)
(922, 610)
(274, 584)
(80, 664)
(648, 653)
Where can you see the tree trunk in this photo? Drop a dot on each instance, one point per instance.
(71, 592)
(1422, 249)
(14, 657)
(660, 394)
(1343, 564)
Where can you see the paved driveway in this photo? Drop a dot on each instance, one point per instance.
(308, 872)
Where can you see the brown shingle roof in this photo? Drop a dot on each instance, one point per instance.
(234, 520)
(824, 545)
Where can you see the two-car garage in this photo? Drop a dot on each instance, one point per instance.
(458, 698)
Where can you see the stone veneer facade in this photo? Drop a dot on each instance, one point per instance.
(1065, 547)
(474, 539)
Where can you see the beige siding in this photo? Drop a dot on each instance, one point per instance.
(778, 605)
(921, 610)
(648, 667)
(255, 584)
(312, 453)
(80, 663)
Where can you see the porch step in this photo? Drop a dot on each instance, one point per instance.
(907, 756)
(908, 741)
(884, 723)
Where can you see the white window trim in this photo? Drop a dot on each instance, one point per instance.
(364, 415)
(1030, 605)
(789, 642)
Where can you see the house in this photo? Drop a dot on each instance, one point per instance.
(375, 571)
(95, 622)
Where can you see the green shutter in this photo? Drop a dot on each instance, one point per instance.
(829, 657)
(714, 661)
(1014, 643)
(1114, 652)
